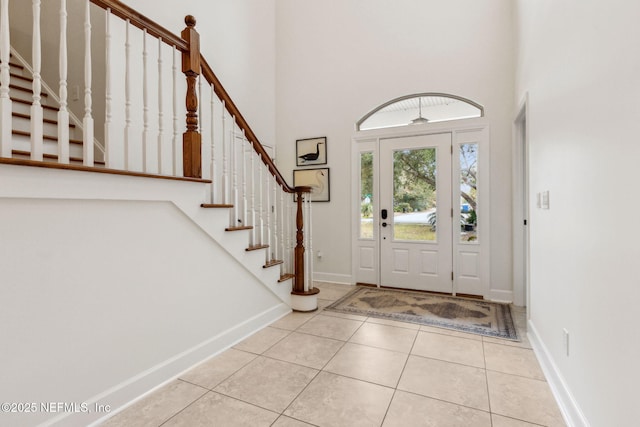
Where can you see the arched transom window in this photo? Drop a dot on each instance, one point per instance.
(418, 109)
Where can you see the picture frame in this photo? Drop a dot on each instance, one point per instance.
(317, 179)
(311, 151)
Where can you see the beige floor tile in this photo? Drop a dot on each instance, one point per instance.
(395, 323)
(416, 411)
(212, 372)
(330, 327)
(451, 332)
(290, 422)
(512, 360)
(523, 343)
(214, 409)
(523, 398)
(366, 363)
(292, 321)
(449, 348)
(270, 384)
(333, 292)
(262, 340)
(384, 336)
(344, 315)
(306, 350)
(452, 382)
(158, 407)
(333, 400)
(500, 421)
(322, 303)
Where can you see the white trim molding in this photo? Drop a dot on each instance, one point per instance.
(571, 412)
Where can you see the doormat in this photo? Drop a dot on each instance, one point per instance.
(461, 314)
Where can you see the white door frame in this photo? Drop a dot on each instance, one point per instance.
(521, 205)
(464, 131)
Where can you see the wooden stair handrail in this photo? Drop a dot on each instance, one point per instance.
(138, 20)
(210, 76)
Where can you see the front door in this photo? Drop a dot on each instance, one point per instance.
(416, 212)
(421, 214)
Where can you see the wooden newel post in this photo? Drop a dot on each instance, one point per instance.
(191, 139)
(298, 284)
(301, 299)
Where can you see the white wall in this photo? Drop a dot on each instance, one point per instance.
(108, 289)
(578, 62)
(337, 60)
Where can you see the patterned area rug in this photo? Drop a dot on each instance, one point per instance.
(461, 314)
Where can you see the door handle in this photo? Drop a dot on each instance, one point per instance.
(383, 214)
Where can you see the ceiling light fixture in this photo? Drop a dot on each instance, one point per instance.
(419, 120)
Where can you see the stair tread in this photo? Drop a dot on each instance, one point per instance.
(256, 247)
(16, 87)
(47, 137)
(273, 262)
(17, 76)
(214, 206)
(286, 277)
(28, 117)
(53, 156)
(242, 227)
(22, 101)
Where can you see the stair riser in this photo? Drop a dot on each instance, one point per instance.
(23, 143)
(22, 124)
(26, 109)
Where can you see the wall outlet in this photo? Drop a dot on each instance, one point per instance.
(545, 199)
(565, 341)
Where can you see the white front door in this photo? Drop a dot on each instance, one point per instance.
(421, 212)
(416, 212)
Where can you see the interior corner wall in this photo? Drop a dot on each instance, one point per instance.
(238, 40)
(339, 59)
(578, 62)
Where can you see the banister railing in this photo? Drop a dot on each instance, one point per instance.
(217, 143)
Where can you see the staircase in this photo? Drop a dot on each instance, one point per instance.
(21, 90)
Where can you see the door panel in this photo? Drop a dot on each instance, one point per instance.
(415, 189)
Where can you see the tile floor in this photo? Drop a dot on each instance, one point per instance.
(331, 369)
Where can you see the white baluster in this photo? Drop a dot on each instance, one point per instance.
(307, 205)
(110, 155)
(253, 196)
(260, 199)
(87, 121)
(161, 169)
(245, 149)
(274, 204)
(309, 233)
(63, 113)
(268, 214)
(128, 142)
(145, 106)
(176, 140)
(224, 180)
(213, 152)
(234, 173)
(5, 77)
(37, 147)
(283, 255)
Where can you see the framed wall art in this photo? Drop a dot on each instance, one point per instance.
(317, 179)
(312, 151)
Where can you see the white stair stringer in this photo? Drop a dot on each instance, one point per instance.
(214, 222)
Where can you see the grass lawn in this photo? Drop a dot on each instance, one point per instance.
(402, 231)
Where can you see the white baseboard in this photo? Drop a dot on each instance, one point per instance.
(498, 295)
(571, 412)
(343, 279)
(128, 392)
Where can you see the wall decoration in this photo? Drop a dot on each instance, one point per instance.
(317, 179)
(312, 151)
